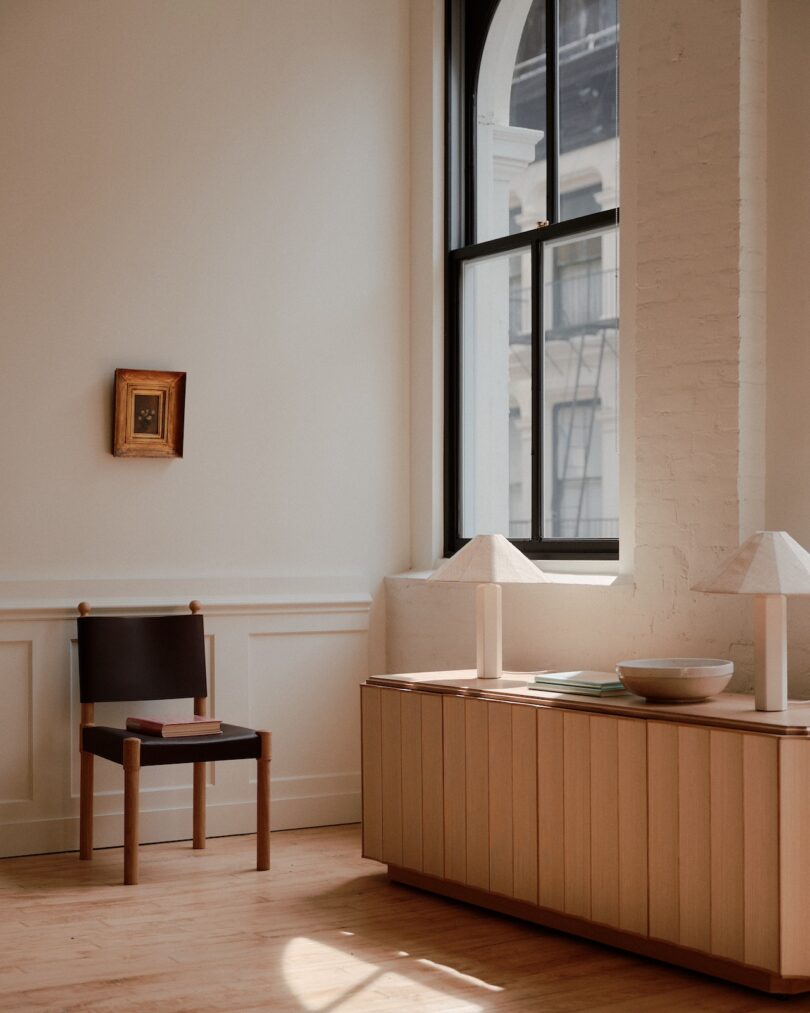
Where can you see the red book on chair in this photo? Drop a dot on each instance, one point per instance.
(175, 727)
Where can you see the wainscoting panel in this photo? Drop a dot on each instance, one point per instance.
(303, 685)
(290, 664)
(16, 736)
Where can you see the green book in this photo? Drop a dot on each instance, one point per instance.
(541, 687)
(582, 681)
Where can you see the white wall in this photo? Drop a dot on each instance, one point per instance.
(427, 278)
(693, 296)
(217, 188)
(220, 187)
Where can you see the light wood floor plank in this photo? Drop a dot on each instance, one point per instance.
(323, 930)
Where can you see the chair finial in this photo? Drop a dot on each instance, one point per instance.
(84, 608)
(195, 606)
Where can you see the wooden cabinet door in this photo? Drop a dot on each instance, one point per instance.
(371, 732)
(694, 835)
(455, 789)
(550, 809)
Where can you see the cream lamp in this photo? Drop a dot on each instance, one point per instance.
(489, 561)
(770, 566)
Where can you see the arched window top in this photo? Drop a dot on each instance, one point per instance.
(544, 122)
(499, 59)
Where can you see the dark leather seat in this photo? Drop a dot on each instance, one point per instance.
(235, 743)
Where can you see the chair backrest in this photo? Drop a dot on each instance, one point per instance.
(143, 658)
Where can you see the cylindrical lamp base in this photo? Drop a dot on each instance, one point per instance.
(488, 631)
(770, 652)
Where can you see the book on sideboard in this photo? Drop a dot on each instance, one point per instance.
(582, 681)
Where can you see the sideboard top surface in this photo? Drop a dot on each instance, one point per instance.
(728, 710)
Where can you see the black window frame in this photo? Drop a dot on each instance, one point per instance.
(466, 29)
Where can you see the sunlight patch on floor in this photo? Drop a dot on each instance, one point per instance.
(459, 975)
(351, 979)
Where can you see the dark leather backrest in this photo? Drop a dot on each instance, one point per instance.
(150, 658)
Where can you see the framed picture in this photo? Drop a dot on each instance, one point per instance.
(149, 408)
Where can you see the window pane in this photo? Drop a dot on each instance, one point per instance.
(511, 121)
(589, 148)
(496, 396)
(580, 396)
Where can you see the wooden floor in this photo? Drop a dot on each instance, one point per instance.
(324, 930)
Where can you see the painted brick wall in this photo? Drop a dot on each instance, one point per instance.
(687, 364)
(693, 307)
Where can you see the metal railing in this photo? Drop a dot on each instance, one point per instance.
(570, 302)
(588, 527)
(585, 527)
(574, 50)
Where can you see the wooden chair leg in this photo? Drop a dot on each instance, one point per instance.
(86, 807)
(199, 805)
(132, 773)
(263, 804)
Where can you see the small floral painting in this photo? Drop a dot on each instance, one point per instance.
(147, 414)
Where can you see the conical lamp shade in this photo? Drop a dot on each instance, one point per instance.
(770, 562)
(490, 559)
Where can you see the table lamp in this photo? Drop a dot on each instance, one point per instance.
(770, 565)
(489, 561)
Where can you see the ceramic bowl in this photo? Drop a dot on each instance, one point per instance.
(675, 680)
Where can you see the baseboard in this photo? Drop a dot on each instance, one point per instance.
(37, 837)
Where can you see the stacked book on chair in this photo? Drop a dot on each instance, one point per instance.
(584, 682)
(175, 728)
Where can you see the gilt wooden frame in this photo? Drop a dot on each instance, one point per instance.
(149, 413)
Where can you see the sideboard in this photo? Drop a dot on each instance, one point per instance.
(678, 832)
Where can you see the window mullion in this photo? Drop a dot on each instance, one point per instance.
(537, 392)
(552, 113)
(452, 404)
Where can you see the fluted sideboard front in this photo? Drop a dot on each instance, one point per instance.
(676, 832)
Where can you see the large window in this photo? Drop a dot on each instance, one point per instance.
(532, 275)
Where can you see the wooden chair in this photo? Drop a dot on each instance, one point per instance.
(155, 658)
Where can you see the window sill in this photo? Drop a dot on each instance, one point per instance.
(570, 579)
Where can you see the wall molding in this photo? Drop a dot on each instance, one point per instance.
(28, 611)
(58, 599)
